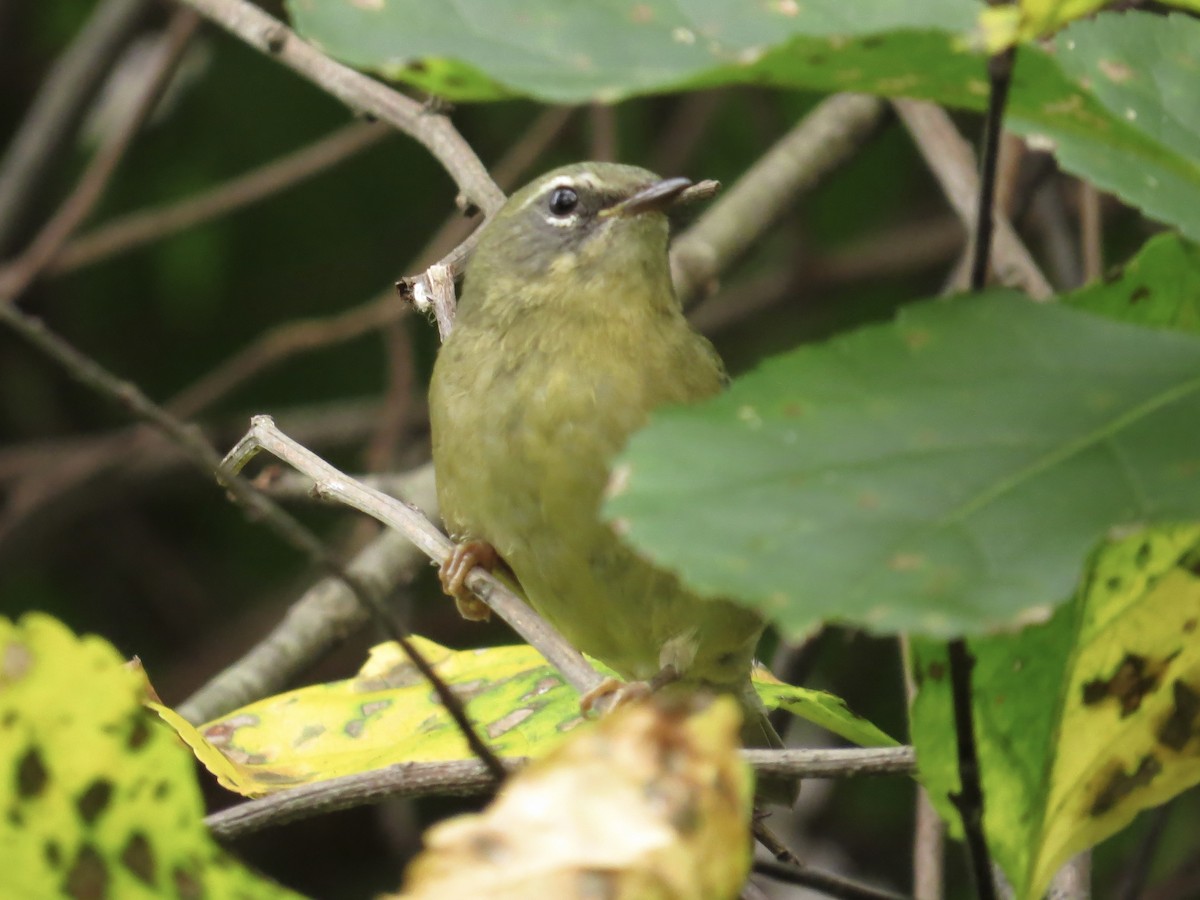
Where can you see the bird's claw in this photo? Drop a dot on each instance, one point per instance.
(611, 693)
(453, 576)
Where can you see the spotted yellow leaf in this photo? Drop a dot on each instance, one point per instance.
(388, 714)
(1084, 721)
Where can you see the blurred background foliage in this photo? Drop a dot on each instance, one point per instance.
(167, 569)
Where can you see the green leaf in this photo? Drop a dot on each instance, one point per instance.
(1114, 97)
(1145, 144)
(1006, 24)
(388, 714)
(1161, 287)
(1081, 722)
(103, 800)
(942, 474)
(607, 49)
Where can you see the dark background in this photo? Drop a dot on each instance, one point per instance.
(158, 562)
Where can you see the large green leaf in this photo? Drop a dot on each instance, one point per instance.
(1145, 146)
(943, 474)
(1083, 721)
(573, 50)
(100, 800)
(1098, 97)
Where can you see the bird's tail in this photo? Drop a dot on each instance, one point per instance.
(759, 734)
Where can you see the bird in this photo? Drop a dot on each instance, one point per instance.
(568, 335)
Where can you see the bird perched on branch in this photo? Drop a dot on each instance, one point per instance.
(568, 335)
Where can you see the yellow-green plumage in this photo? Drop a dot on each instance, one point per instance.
(567, 337)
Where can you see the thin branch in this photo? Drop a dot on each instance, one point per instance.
(788, 867)
(1091, 232)
(280, 343)
(1074, 880)
(95, 179)
(469, 778)
(825, 882)
(129, 453)
(461, 778)
(56, 111)
(360, 92)
(952, 162)
(602, 119)
(833, 763)
(94, 377)
(823, 140)
(1000, 68)
(1137, 870)
(968, 800)
(323, 616)
(771, 842)
(684, 129)
(148, 225)
(929, 831)
(330, 483)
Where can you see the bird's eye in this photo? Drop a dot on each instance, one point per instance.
(563, 200)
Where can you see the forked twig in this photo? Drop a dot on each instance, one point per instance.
(329, 483)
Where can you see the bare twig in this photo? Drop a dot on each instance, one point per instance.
(93, 376)
(832, 763)
(1133, 880)
(330, 483)
(602, 117)
(1052, 228)
(952, 162)
(929, 832)
(1091, 232)
(469, 778)
(59, 105)
(129, 452)
(149, 225)
(366, 95)
(825, 882)
(1074, 880)
(318, 621)
(279, 344)
(683, 130)
(451, 246)
(459, 778)
(91, 185)
(822, 141)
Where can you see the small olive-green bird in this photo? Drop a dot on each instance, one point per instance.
(568, 335)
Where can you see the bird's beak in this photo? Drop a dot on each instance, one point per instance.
(655, 198)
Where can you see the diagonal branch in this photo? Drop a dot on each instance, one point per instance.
(93, 376)
(952, 162)
(59, 105)
(91, 185)
(360, 92)
(823, 140)
(149, 225)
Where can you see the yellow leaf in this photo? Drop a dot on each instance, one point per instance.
(388, 714)
(104, 801)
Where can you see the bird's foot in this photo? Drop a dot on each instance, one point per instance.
(612, 692)
(453, 576)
